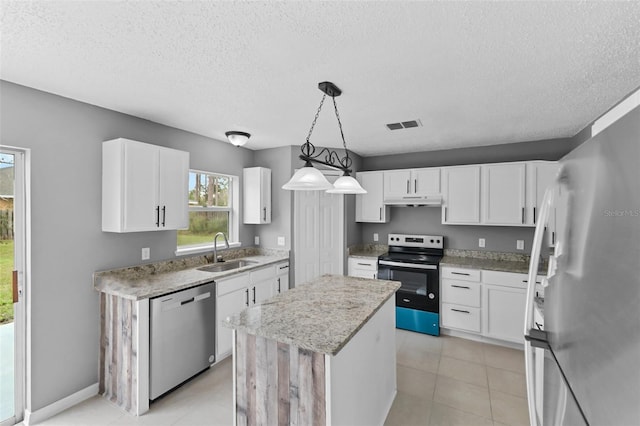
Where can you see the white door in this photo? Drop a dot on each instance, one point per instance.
(14, 192)
(369, 206)
(318, 233)
(426, 181)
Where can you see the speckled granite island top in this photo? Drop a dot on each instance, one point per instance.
(151, 280)
(321, 316)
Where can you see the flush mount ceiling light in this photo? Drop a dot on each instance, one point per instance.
(237, 138)
(309, 178)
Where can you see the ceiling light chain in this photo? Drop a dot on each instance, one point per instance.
(308, 178)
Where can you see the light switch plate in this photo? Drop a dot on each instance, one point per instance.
(481, 242)
(256, 240)
(146, 253)
(376, 237)
(280, 241)
(519, 244)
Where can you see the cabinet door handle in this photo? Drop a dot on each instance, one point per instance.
(534, 215)
(284, 267)
(254, 295)
(445, 214)
(415, 185)
(460, 286)
(278, 285)
(380, 213)
(247, 293)
(264, 214)
(523, 215)
(553, 238)
(526, 281)
(460, 273)
(364, 264)
(408, 188)
(164, 214)
(460, 310)
(158, 216)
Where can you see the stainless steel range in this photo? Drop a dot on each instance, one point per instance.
(414, 260)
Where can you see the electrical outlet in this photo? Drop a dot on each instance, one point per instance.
(256, 240)
(280, 241)
(519, 244)
(376, 237)
(146, 253)
(481, 242)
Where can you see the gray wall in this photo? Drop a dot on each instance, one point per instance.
(67, 244)
(427, 221)
(279, 161)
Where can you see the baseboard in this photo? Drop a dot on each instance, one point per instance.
(31, 418)
(479, 338)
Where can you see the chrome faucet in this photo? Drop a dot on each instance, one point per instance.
(215, 247)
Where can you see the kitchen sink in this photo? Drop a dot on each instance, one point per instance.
(227, 266)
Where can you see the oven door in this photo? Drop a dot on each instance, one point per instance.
(419, 284)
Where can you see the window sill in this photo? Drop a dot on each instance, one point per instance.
(184, 251)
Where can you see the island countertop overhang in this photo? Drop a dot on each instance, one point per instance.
(320, 316)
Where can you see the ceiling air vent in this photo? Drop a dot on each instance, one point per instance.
(404, 125)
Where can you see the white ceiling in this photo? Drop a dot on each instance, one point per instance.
(474, 73)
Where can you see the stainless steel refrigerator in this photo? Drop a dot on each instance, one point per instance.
(582, 347)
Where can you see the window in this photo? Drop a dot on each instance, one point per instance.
(212, 209)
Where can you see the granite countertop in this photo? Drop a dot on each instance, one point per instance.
(368, 251)
(321, 316)
(489, 261)
(151, 280)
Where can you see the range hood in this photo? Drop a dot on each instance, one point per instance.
(416, 201)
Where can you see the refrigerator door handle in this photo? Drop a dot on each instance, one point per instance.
(533, 339)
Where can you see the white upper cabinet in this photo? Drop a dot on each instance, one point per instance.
(503, 194)
(257, 195)
(461, 195)
(144, 187)
(370, 206)
(411, 183)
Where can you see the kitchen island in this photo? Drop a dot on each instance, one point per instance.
(322, 353)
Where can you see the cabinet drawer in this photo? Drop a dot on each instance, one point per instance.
(227, 285)
(282, 268)
(461, 292)
(461, 317)
(508, 279)
(364, 264)
(460, 273)
(262, 274)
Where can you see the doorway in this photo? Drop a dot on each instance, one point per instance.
(319, 237)
(13, 214)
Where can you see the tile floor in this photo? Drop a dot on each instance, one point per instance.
(441, 381)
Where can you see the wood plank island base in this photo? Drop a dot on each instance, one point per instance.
(320, 354)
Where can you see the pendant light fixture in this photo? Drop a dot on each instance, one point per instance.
(237, 138)
(309, 178)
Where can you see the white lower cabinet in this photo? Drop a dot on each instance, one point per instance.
(232, 297)
(281, 284)
(460, 296)
(362, 267)
(244, 290)
(489, 303)
(503, 312)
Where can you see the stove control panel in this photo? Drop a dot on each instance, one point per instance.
(426, 241)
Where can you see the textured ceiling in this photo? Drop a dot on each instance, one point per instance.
(474, 73)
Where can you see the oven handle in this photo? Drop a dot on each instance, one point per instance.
(406, 265)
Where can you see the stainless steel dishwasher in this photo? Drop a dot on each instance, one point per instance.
(182, 337)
